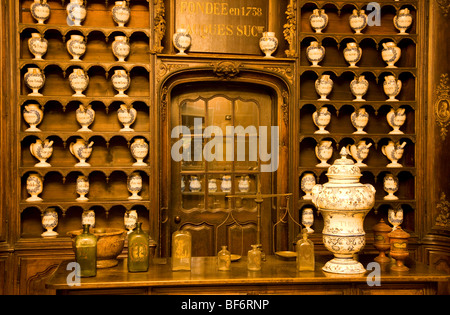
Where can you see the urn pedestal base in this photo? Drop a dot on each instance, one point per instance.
(344, 266)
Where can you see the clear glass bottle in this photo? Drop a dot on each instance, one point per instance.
(138, 250)
(254, 258)
(305, 253)
(181, 250)
(224, 259)
(86, 252)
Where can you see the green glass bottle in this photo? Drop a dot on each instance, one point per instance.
(86, 252)
(138, 250)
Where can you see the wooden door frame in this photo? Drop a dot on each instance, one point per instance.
(216, 73)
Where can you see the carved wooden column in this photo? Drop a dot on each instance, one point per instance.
(437, 221)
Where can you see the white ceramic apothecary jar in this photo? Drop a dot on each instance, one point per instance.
(76, 46)
(318, 20)
(182, 41)
(324, 86)
(85, 116)
(82, 151)
(121, 82)
(360, 119)
(358, 21)
(88, 218)
(37, 45)
(194, 184)
(127, 117)
(82, 188)
(395, 217)
(359, 152)
(226, 183)
(134, 185)
(396, 119)
(42, 150)
(307, 183)
(121, 13)
(212, 185)
(139, 151)
(40, 10)
(34, 80)
(394, 152)
(308, 219)
(315, 53)
(33, 115)
(49, 222)
(403, 20)
(322, 118)
(390, 185)
(392, 88)
(344, 203)
(76, 12)
(130, 219)
(121, 48)
(391, 53)
(79, 82)
(324, 152)
(35, 186)
(268, 44)
(352, 54)
(244, 184)
(359, 87)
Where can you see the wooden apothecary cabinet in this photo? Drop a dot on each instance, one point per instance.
(227, 84)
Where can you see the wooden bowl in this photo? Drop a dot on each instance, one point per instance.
(110, 244)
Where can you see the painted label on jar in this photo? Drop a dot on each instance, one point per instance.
(77, 47)
(352, 54)
(140, 150)
(315, 53)
(121, 49)
(49, 220)
(120, 81)
(136, 181)
(35, 80)
(41, 11)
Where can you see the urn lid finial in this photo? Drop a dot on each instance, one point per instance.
(344, 168)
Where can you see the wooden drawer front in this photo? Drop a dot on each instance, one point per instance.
(254, 290)
(398, 289)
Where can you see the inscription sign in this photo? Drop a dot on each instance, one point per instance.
(223, 26)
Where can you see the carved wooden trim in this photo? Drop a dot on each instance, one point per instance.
(290, 28)
(285, 107)
(159, 25)
(444, 5)
(164, 103)
(442, 106)
(36, 282)
(287, 72)
(443, 218)
(226, 70)
(164, 69)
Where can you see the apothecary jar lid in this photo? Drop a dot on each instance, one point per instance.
(344, 191)
(344, 169)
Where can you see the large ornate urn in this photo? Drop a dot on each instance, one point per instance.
(344, 203)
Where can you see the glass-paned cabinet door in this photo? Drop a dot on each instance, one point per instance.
(220, 148)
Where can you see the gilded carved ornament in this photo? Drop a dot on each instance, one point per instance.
(442, 106)
(444, 5)
(290, 28)
(443, 218)
(159, 25)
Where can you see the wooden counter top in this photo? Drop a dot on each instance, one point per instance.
(276, 274)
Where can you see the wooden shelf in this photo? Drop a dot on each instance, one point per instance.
(85, 30)
(65, 205)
